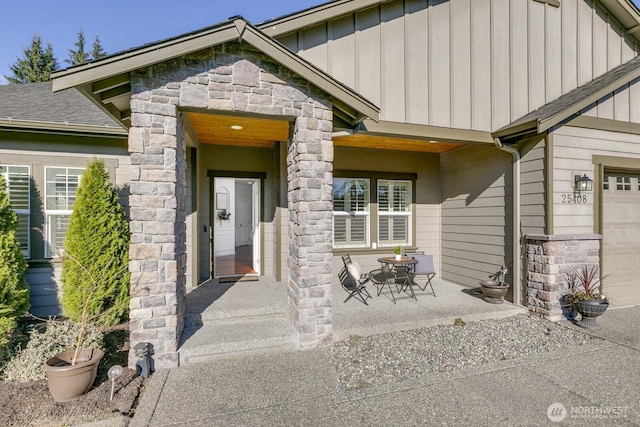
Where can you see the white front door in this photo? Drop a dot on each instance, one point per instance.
(245, 222)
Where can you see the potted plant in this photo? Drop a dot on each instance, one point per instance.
(494, 290)
(224, 215)
(71, 373)
(95, 277)
(398, 253)
(584, 295)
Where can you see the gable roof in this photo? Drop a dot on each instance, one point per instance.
(572, 102)
(106, 79)
(35, 106)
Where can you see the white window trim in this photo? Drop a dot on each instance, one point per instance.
(50, 213)
(27, 212)
(408, 214)
(367, 213)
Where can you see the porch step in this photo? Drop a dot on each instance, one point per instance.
(198, 319)
(224, 337)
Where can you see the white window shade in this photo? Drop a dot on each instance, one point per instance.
(351, 212)
(17, 180)
(394, 212)
(61, 185)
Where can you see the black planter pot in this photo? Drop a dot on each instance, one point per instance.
(590, 311)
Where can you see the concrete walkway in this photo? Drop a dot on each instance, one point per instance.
(596, 384)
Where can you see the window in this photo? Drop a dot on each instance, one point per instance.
(605, 182)
(387, 223)
(394, 212)
(18, 188)
(351, 212)
(61, 185)
(623, 183)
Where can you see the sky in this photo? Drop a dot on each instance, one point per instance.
(123, 24)
(120, 24)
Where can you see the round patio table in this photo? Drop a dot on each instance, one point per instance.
(401, 270)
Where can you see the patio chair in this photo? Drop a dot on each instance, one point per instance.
(382, 277)
(353, 281)
(423, 270)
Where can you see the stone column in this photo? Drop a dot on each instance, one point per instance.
(310, 180)
(549, 259)
(158, 235)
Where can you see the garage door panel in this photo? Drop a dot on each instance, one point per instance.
(621, 239)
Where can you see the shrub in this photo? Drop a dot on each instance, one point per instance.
(47, 340)
(95, 268)
(14, 291)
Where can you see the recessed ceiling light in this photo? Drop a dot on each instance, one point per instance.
(236, 127)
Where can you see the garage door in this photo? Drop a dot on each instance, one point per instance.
(621, 237)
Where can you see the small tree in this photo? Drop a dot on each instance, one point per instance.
(97, 51)
(78, 56)
(36, 66)
(95, 273)
(14, 291)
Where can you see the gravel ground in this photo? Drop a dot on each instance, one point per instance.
(381, 359)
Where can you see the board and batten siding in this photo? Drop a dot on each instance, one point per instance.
(468, 64)
(476, 213)
(622, 105)
(573, 151)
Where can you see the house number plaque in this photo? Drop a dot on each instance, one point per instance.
(569, 198)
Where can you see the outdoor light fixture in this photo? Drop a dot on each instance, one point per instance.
(236, 127)
(583, 183)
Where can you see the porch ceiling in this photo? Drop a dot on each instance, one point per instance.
(393, 143)
(255, 132)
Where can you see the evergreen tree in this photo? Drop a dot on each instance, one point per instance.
(36, 66)
(96, 261)
(14, 291)
(97, 52)
(78, 56)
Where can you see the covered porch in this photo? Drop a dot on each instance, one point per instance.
(227, 319)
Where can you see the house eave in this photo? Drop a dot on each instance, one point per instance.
(35, 126)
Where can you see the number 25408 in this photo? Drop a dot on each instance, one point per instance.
(574, 198)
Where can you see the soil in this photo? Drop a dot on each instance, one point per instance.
(30, 404)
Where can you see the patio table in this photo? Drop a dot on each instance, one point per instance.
(400, 268)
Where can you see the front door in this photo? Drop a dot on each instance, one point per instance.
(236, 226)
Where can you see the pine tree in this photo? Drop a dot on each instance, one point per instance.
(96, 250)
(97, 52)
(36, 66)
(78, 56)
(14, 291)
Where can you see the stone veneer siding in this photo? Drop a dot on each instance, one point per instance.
(227, 78)
(549, 259)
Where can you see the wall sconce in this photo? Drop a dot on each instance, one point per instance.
(583, 183)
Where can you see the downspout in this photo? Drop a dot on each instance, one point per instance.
(517, 268)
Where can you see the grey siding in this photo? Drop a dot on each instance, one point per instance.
(470, 64)
(476, 213)
(427, 201)
(533, 173)
(622, 105)
(39, 151)
(573, 151)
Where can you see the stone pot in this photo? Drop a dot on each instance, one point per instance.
(590, 310)
(67, 381)
(493, 291)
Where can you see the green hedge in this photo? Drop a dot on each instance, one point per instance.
(14, 291)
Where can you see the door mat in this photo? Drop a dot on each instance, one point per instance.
(239, 279)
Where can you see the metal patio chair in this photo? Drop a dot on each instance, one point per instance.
(423, 270)
(353, 281)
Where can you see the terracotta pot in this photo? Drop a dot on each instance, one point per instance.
(493, 291)
(66, 381)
